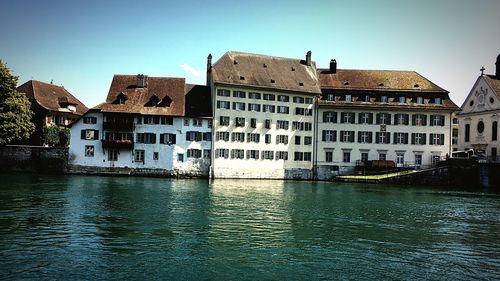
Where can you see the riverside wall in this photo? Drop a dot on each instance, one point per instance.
(33, 159)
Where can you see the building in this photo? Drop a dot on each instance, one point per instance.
(368, 115)
(264, 110)
(52, 105)
(148, 125)
(479, 117)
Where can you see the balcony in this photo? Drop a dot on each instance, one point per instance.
(118, 144)
(118, 126)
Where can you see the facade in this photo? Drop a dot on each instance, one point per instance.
(264, 110)
(148, 125)
(52, 106)
(479, 117)
(366, 115)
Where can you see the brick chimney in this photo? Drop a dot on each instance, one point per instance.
(333, 66)
(140, 81)
(308, 58)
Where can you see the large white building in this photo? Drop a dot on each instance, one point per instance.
(148, 125)
(368, 115)
(480, 115)
(264, 110)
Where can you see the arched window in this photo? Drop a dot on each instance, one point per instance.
(467, 132)
(494, 130)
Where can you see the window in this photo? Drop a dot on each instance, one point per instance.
(401, 119)
(281, 124)
(222, 153)
(268, 124)
(328, 156)
(348, 98)
(307, 140)
(194, 136)
(420, 100)
(224, 121)
(329, 117)
(147, 138)
(347, 136)
(467, 133)
(303, 111)
(139, 156)
(383, 118)
(281, 139)
(400, 158)
(254, 107)
(346, 156)
(239, 94)
(89, 151)
(329, 136)
(298, 156)
(223, 104)
(268, 108)
(330, 97)
(281, 155)
(180, 157)
(400, 138)
(89, 134)
(268, 138)
(383, 99)
(253, 123)
(206, 153)
(297, 140)
(168, 138)
(269, 97)
(383, 137)
(364, 157)
(112, 155)
(194, 153)
(438, 101)
(251, 137)
(419, 120)
(118, 136)
(367, 98)
(283, 98)
(197, 122)
(89, 120)
(252, 154)
(239, 106)
(480, 127)
(307, 156)
(382, 156)
(283, 109)
(301, 126)
(298, 100)
(238, 137)
(254, 96)
(418, 159)
(494, 131)
(402, 99)
(186, 122)
(267, 155)
(223, 93)
(155, 156)
(207, 136)
(348, 117)
(418, 138)
(437, 120)
(240, 122)
(436, 139)
(365, 118)
(365, 137)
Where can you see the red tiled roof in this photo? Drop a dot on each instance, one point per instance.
(51, 97)
(138, 97)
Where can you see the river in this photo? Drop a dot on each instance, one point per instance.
(101, 228)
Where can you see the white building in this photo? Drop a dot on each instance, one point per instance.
(264, 109)
(480, 115)
(369, 115)
(148, 125)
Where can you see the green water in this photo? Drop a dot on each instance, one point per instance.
(95, 228)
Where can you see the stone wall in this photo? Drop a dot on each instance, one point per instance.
(33, 159)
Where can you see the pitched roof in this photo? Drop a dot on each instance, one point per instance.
(268, 72)
(494, 83)
(198, 101)
(157, 89)
(51, 97)
(376, 80)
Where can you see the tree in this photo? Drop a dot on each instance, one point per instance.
(15, 113)
(55, 136)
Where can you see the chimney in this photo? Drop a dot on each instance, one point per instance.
(140, 80)
(497, 74)
(209, 62)
(333, 66)
(308, 58)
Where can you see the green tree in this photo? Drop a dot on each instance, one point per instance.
(56, 136)
(15, 113)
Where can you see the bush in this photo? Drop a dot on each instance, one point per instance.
(56, 136)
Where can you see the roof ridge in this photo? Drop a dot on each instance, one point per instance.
(262, 55)
(355, 69)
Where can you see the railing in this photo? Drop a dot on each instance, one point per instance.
(117, 144)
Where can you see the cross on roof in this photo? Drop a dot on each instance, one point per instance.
(482, 70)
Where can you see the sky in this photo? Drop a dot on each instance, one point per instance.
(82, 44)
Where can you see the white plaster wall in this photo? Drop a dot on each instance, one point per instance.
(77, 145)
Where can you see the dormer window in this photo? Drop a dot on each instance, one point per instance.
(438, 101)
(367, 98)
(383, 99)
(120, 99)
(420, 100)
(330, 97)
(165, 102)
(348, 98)
(153, 101)
(402, 99)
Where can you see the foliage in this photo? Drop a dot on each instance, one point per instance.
(56, 136)
(15, 113)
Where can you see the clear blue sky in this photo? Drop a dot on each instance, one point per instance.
(82, 44)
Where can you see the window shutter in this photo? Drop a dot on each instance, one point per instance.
(432, 119)
(162, 138)
(377, 137)
(324, 116)
(424, 136)
(323, 138)
(407, 119)
(430, 137)
(342, 117)
(370, 134)
(174, 139)
(441, 139)
(334, 135)
(413, 141)
(153, 138)
(360, 117)
(414, 120)
(96, 134)
(394, 139)
(187, 135)
(82, 134)
(353, 120)
(359, 136)
(334, 117)
(424, 120)
(441, 121)
(351, 136)
(370, 118)
(388, 118)
(406, 138)
(199, 136)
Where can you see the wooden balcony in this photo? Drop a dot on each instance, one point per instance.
(118, 144)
